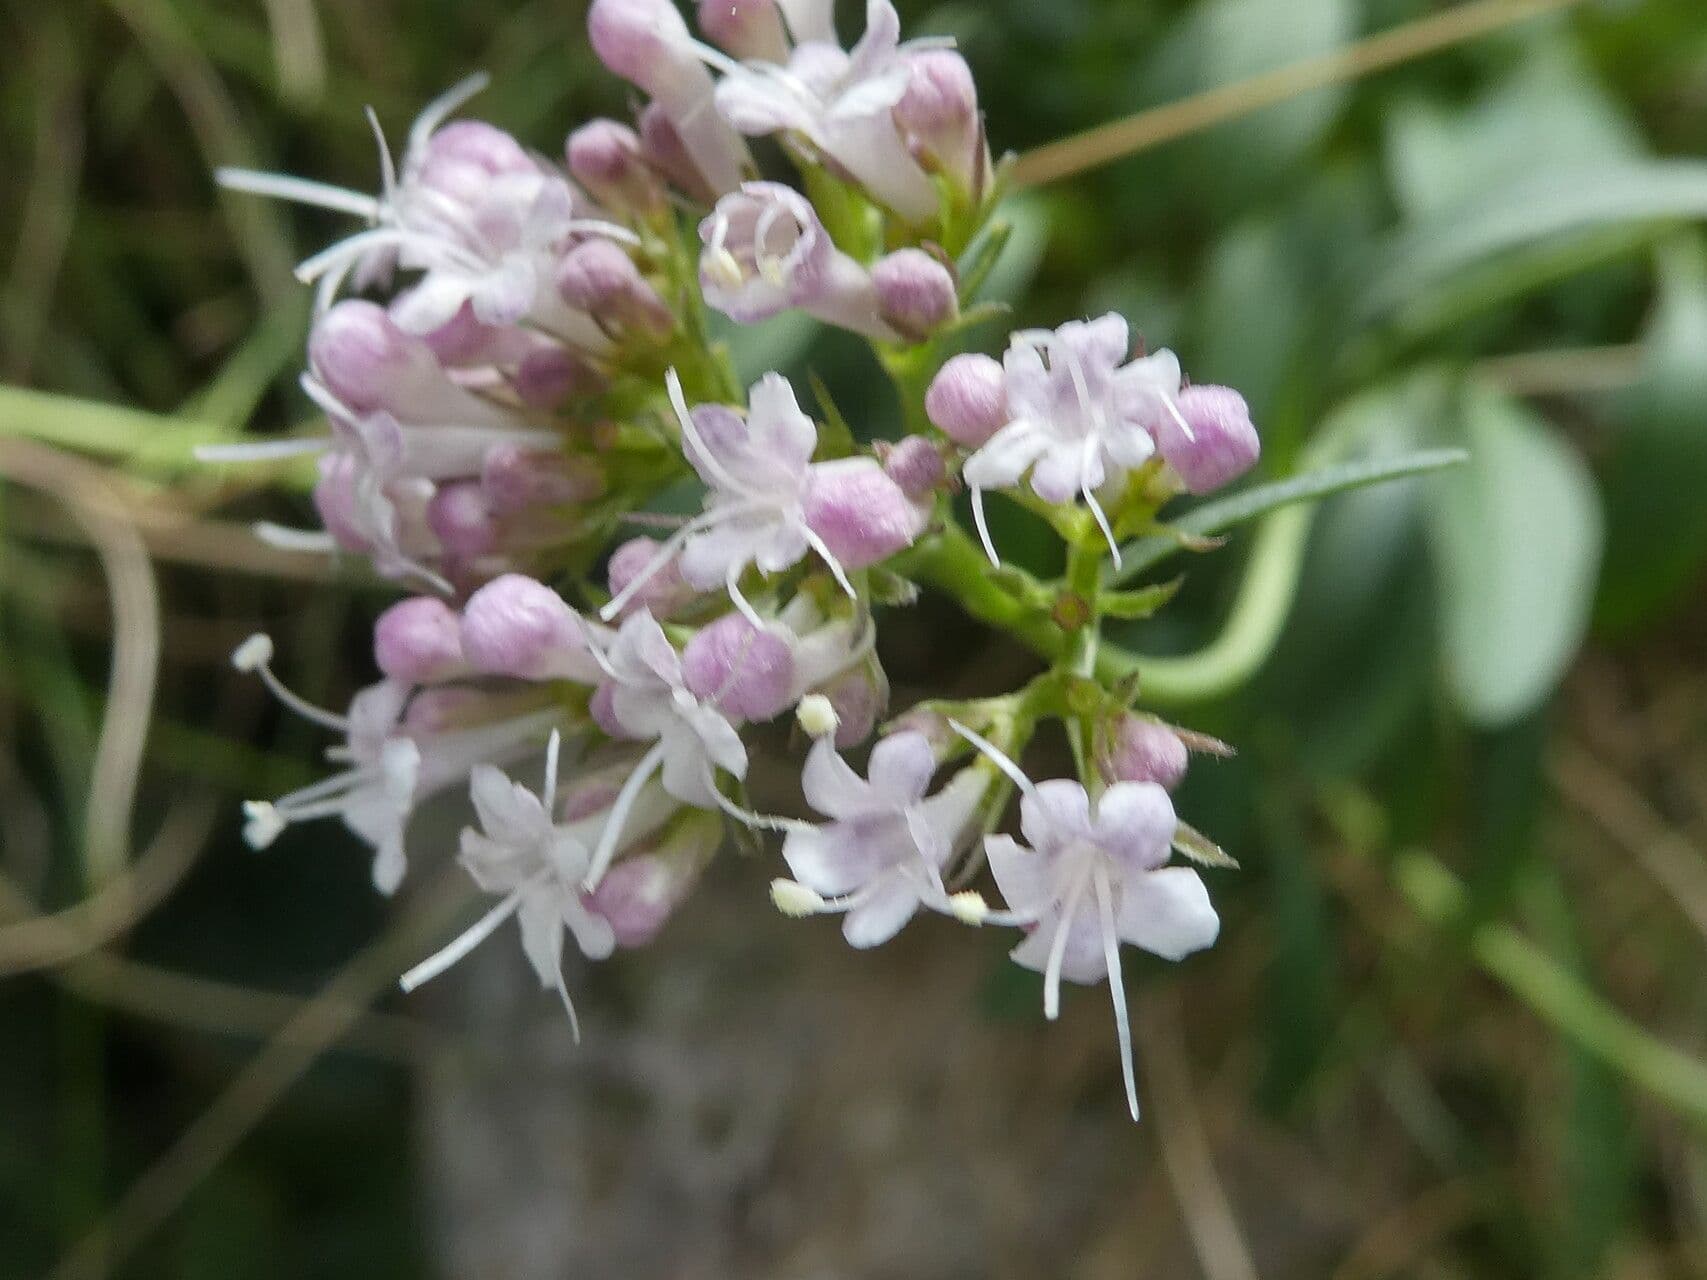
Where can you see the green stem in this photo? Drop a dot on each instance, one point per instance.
(1558, 997)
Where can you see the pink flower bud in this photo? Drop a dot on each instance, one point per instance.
(1143, 749)
(745, 672)
(933, 726)
(664, 593)
(916, 466)
(642, 890)
(598, 277)
(514, 626)
(748, 29)
(634, 38)
(605, 157)
(515, 479)
(462, 519)
(861, 515)
(1223, 444)
(419, 641)
(939, 111)
(369, 363)
(461, 160)
(915, 293)
(968, 399)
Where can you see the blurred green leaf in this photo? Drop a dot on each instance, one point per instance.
(1522, 214)
(1517, 540)
(1656, 544)
(1548, 113)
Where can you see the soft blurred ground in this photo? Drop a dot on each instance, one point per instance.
(1454, 1027)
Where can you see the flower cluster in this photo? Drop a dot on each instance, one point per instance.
(512, 354)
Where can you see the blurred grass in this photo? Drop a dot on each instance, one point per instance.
(1498, 243)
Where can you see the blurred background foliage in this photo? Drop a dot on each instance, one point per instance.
(1461, 979)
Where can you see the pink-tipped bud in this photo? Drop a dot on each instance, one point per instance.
(419, 641)
(663, 594)
(597, 276)
(916, 465)
(514, 626)
(916, 294)
(634, 38)
(968, 399)
(939, 113)
(747, 673)
(1223, 443)
(364, 359)
(516, 479)
(861, 515)
(462, 519)
(461, 160)
(606, 158)
(747, 29)
(1143, 749)
(668, 154)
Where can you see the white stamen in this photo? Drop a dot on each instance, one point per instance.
(264, 824)
(464, 942)
(312, 541)
(278, 186)
(997, 757)
(969, 908)
(253, 654)
(1116, 987)
(611, 837)
(817, 716)
(983, 525)
(1058, 948)
(442, 107)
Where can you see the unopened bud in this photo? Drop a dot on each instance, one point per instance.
(747, 29)
(419, 641)
(860, 514)
(915, 293)
(1222, 443)
(747, 673)
(606, 158)
(1143, 749)
(915, 465)
(968, 399)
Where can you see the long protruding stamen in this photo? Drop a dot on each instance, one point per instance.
(256, 655)
(443, 107)
(660, 558)
(548, 792)
(1097, 513)
(279, 186)
(1116, 986)
(690, 435)
(829, 558)
(464, 942)
(610, 839)
(983, 524)
(997, 757)
(1058, 947)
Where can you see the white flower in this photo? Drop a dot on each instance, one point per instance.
(390, 765)
(767, 503)
(883, 854)
(1080, 416)
(481, 218)
(539, 867)
(1094, 877)
(842, 101)
(649, 700)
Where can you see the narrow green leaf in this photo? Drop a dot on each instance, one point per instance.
(1225, 513)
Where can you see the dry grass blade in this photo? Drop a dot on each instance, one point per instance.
(1675, 862)
(154, 1196)
(1120, 138)
(1186, 1158)
(85, 493)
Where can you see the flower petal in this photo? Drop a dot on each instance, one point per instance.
(1167, 912)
